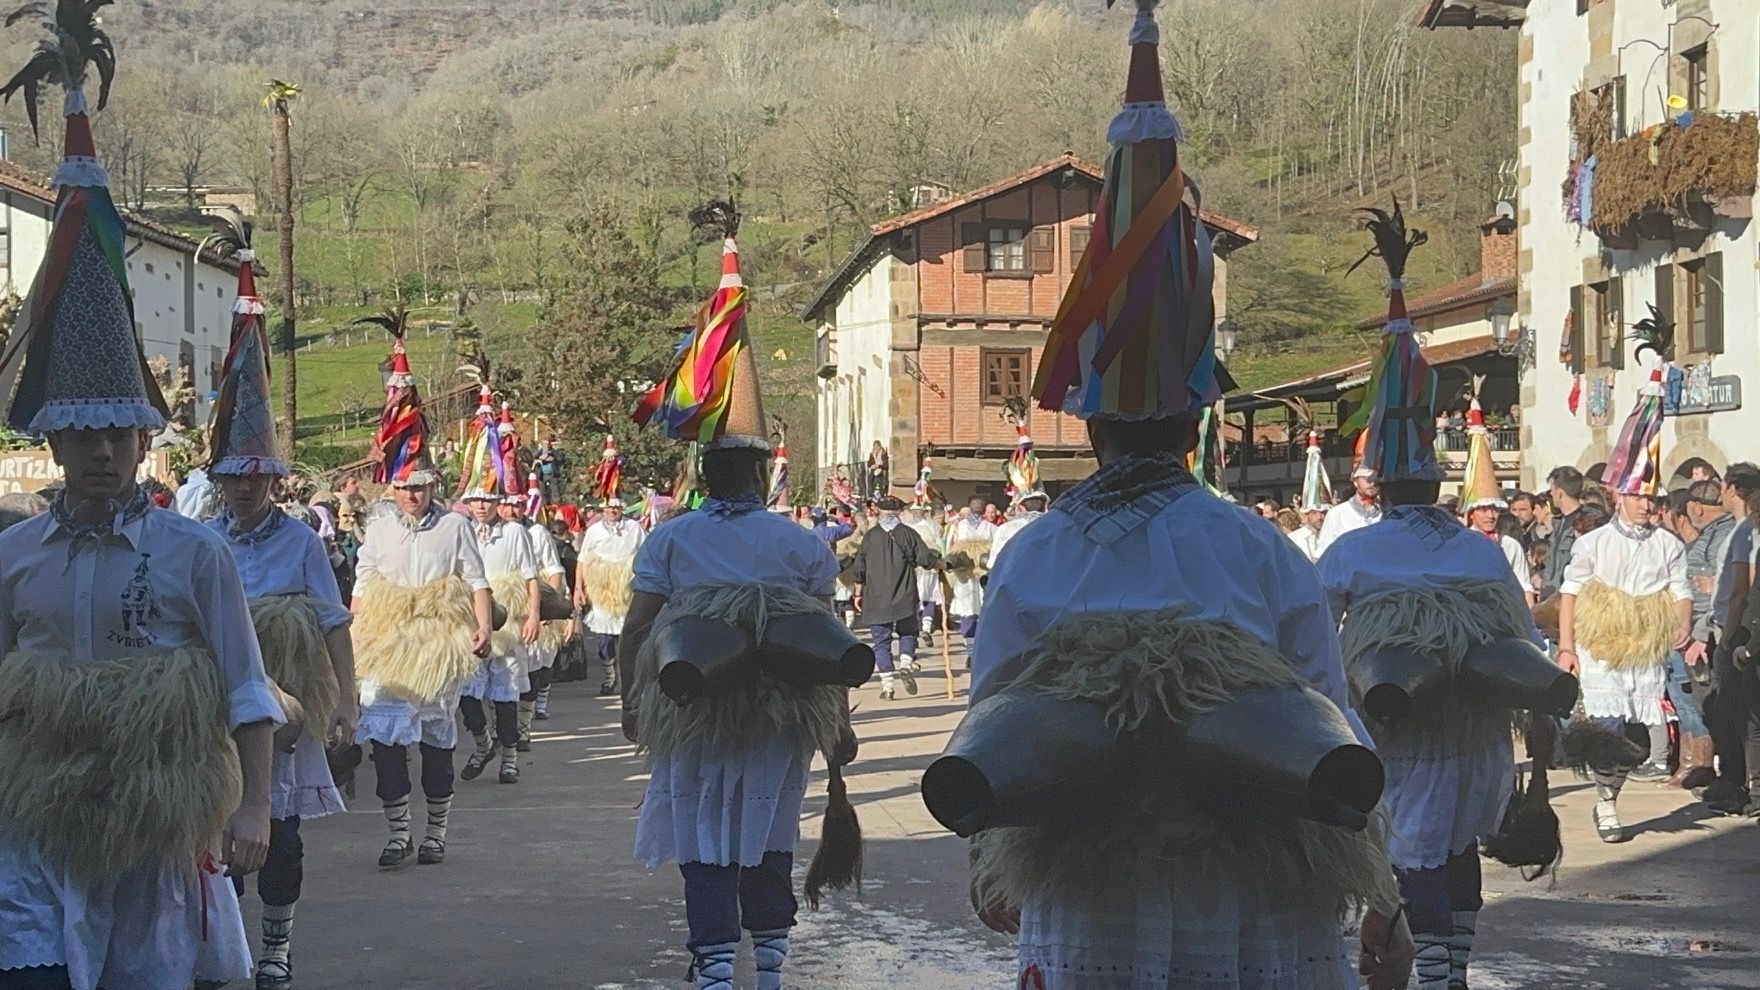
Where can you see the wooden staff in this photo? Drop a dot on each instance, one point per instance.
(946, 651)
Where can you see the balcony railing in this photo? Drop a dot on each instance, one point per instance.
(1503, 439)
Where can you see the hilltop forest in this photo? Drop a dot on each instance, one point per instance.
(523, 170)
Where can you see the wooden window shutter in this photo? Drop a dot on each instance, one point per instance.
(977, 251)
(1078, 244)
(1577, 335)
(1713, 277)
(1044, 250)
(1665, 297)
(1615, 321)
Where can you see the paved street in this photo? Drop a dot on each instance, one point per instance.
(539, 890)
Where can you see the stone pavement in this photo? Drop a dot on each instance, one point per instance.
(539, 890)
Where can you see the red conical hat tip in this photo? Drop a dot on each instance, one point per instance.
(1143, 85)
(1396, 305)
(532, 482)
(610, 444)
(399, 359)
(507, 412)
(1475, 415)
(247, 280)
(77, 142)
(730, 263)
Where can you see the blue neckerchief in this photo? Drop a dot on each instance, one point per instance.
(1120, 497)
(90, 535)
(721, 508)
(261, 532)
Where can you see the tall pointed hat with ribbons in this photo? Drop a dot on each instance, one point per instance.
(1135, 335)
(1479, 487)
(400, 448)
(1636, 465)
(711, 393)
(1316, 485)
(1022, 470)
(74, 360)
(779, 497)
(608, 476)
(241, 438)
(1398, 418)
(485, 472)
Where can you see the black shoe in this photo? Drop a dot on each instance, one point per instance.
(510, 773)
(473, 767)
(274, 976)
(1753, 808)
(524, 745)
(1735, 804)
(542, 716)
(432, 851)
(1649, 773)
(607, 689)
(394, 854)
(1721, 789)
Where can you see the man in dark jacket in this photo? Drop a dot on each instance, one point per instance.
(1567, 497)
(886, 593)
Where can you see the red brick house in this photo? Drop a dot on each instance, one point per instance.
(937, 319)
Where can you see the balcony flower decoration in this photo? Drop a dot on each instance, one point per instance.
(1683, 172)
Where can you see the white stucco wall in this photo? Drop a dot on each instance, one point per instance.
(855, 406)
(1560, 39)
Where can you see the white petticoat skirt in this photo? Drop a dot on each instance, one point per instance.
(724, 806)
(1440, 807)
(392, 721)
(155, 927)
(1167, 937)
(499, 679)
(1631, 693)
(300, 784)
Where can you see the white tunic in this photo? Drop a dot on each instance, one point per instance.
(1638, 563)
(1344, 517)
(507, 550)
(152, 582)
(1008, 531)
(728, 805)
(971, 528)
(1307, 540)
(411, 554)
(1439, 806)
(1206, 555)
(928, 579)
(283, 556)
(549, 566)
(614, 541)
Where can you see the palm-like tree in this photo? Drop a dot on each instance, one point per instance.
(279, 100)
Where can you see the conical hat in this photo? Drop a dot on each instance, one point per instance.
(242, 437)
(1316, 486)
(1480, 488)
(82, 363)
(1135, 335)
(400, 447)
(1398, 422)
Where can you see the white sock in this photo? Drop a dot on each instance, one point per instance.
(1431, 961)
(397, 816)
(1460, 947)
(277, 940)
(769, 949)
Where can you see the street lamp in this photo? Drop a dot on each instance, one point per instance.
(1227, 335)
(1501, 312)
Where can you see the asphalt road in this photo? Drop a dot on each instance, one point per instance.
(539, 889)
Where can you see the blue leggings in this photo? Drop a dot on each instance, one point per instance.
(718, 900)
(1432, 896)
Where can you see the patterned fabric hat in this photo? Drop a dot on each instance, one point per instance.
(75, 358)
(241, 438)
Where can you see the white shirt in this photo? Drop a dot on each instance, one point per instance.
(149, 584)
(1189, 554)
(1636, 564)
(1415, 547)
(1307, 540)
(1008, 531)
(283, 556)
(442, 545)
(613, 541)
(506, 549)
(972, 529)
(1344, 517)
(703, 546)
(1518, 562)
(544, 550)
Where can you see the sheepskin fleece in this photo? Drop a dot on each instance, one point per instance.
(415, 643)
(1622, 630)
(116, 763)
(761, 708)
(977, 550)
(295, 655)
(1155, 668)
(1448, 622)
(510, 592)
(607, 583)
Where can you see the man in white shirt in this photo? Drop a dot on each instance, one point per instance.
(535, 703)
(1362, 509)
(971, 524)
(1307, 536)
(419, 569)
(1482, 517)
(501, 679)
(1032, 505)
(602, 582)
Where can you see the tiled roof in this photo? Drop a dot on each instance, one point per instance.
(26, 182)
(1472, 13)
(846, 271)
(1455, 295)
(1339, 377)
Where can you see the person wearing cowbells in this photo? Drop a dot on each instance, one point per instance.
(534, 704)
(301, 623)
(1624, 601)
(1417, 580)
(1127, 596)
(501, 678)
(602, 581)
(423, 617)
(728, 772)
(117, 619)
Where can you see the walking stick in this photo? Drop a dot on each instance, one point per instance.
(946, 651)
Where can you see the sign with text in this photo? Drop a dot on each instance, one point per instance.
(1704, 394)
(35, 470)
